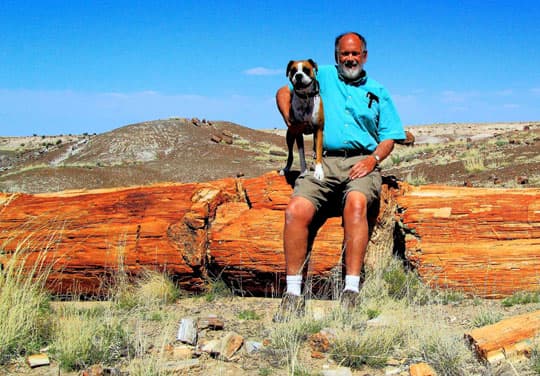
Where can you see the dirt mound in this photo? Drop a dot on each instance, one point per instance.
(193, 150)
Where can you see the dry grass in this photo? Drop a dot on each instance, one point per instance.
(24, 304)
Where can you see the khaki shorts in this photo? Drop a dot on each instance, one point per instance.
(335, 186)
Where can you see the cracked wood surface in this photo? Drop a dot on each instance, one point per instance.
(483, 241)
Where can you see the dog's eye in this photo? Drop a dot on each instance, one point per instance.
(305, 70)
(293, 71)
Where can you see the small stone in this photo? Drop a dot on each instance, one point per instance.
(215, 139)
(389, 371)
(421, 369)
(336, 371)
(38, 360)
(179, 367)
(187, 332)
(393, 362)
(522, 180)
(212, 347)
(253, 346)
(211, 322)
(379, 321)
(230, 345)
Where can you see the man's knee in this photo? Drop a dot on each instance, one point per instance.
(300, 210)
(356, 205)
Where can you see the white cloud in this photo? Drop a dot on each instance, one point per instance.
(451, 96)
(505, 92)
(262, 71)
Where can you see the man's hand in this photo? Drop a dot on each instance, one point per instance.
(363, 167)
(368, 164)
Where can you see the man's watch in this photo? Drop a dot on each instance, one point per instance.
(377, 158)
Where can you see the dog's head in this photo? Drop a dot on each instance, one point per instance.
(301, 73)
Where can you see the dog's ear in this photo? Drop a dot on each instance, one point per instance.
(289, 68)
(315, 67)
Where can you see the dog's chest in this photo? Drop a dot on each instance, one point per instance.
(305, 110)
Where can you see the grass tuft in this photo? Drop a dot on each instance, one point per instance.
(24, 304)
(83, 338)
(521, 297)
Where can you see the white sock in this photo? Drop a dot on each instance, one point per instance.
(352, 283)
(294, 284)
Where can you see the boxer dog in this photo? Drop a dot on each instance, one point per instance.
(306, 114)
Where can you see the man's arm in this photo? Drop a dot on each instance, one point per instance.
(283, 101)
(366, 165)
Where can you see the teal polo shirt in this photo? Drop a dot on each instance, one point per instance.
(350, 122)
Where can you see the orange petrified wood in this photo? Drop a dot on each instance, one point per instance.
(508, 339)
(483, 241)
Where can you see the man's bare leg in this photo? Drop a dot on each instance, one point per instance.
(298, 217)
(356, 233)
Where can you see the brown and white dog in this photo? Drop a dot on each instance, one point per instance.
(306, 114)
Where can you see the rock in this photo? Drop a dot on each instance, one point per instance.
(277, 153)
(179, 367)
(212, 347)
(390, 371)
(227, 134)
(508, 339)
(522, 180)
(336, 371)
(253, 346)
(230, 344)
(216, 139)
(224, 348)
(187, 332)
(210, 322)
(321, 341)
(421, 369)
(38, 360)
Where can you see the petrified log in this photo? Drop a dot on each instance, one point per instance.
(481, 241)
(484, 241)
(508, 339)
(83, 237)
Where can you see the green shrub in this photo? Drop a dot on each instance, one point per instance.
(248, 315)
(521, 297)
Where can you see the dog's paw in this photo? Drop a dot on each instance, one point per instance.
(318, 173)
(284, 171)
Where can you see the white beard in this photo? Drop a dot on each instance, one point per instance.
(350, 73)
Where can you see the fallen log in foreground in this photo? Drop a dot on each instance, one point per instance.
(484, 241)
(509, 339)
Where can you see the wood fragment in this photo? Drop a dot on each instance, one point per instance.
(508, 339)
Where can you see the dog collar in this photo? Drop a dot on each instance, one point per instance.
(309, 91)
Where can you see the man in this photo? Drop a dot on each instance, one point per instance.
(361, 124)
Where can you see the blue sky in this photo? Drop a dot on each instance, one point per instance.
(92, 66)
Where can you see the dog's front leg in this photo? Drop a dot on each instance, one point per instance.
(301, 153)
(290, 137)
(319, 173)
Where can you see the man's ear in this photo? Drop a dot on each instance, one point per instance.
(289, 68)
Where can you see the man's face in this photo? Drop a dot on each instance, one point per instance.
(351, 56)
